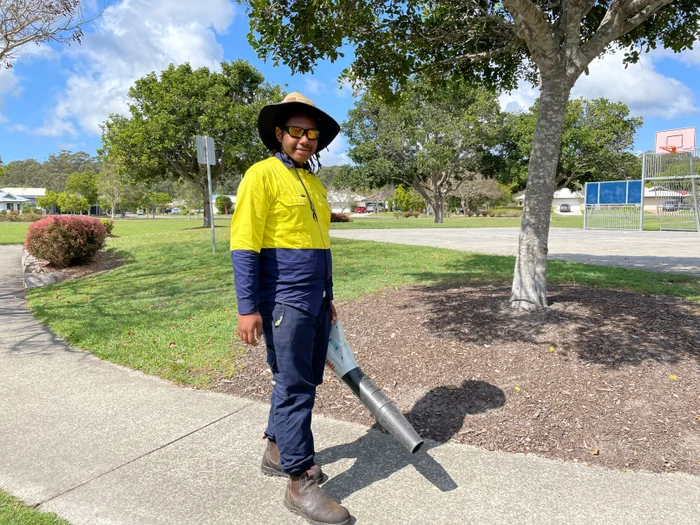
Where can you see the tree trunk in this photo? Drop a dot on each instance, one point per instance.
(438, 208)
(529, 290)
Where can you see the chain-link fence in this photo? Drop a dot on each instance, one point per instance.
(665, 199)
(613, 205)
(671, 183)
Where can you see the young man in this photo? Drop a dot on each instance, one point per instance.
(280, 249)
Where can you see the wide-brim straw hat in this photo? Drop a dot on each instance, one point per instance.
(295, 103)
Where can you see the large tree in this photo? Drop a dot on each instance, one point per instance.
(429, 139)
(596, 143)
(24, 22)
(497, 42)
(83, 184)
(157, 140)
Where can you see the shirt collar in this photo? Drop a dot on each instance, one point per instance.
(289, 163)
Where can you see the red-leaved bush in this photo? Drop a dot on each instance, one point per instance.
(340, 217)
(65, 240)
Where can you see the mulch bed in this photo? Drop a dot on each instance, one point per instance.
(602, 377)
(102, 261)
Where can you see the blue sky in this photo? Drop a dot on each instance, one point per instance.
(56, 97)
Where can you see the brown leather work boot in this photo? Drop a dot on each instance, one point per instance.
(306, 499)
(271, 465)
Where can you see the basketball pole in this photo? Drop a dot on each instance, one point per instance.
(644, 176)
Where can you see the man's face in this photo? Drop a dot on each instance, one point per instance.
(299, 150)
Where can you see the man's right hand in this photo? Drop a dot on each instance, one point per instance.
(250, 328)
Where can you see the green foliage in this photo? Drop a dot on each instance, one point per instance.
(72, 203)
(48, 201)
(2, 169)
(596, 143)
(83, 184)
(157, 140)
(108, 224)
(407, 199)
(426, 138)
(472, 39)
(224, 204)
(50, 174)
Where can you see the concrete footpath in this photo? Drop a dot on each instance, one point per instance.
(675, 252)
(101, 444)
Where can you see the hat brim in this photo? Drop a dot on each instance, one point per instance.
(270, 115)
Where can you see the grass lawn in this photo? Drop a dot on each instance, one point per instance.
(14, 512)
(15, 232)
(171, 310)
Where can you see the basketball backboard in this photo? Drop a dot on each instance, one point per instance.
(675, 140)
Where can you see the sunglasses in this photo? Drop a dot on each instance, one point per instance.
(298, 132)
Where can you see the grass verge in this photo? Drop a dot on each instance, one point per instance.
(14, 512)
(171, 310)
(15, 232)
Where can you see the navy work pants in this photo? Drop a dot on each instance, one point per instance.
(297, 342)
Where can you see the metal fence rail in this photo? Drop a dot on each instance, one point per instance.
(673, 182)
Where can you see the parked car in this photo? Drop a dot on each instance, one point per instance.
(685, 206)
(176, 210)
(670, 206)
(361, 209)
(564, 208)
(139, 212)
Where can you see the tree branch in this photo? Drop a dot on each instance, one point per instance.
(532, 25)
(614, 25)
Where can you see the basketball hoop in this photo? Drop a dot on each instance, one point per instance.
(669, 149)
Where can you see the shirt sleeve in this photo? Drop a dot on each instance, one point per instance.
(247, 231)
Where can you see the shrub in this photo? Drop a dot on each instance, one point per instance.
(416, 214)
(108, 224)
(470, 213)
(397, 214)
(65, 240)
(15, 217)
(484, 213)
(407, 214)
(340, 217)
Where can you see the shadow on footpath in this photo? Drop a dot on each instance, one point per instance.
(377, 457)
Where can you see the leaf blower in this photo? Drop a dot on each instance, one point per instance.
(341, 361)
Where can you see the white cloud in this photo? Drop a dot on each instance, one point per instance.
(8, 86)
(346, 89)
(336, 154)
(645, 91)
(313, 86)
(521, 98)
(132, 39)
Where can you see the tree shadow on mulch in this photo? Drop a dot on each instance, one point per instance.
(437, 417)
(603, 327)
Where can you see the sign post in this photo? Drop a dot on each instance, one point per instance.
(206, 154)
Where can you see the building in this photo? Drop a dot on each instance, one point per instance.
(10, 202)
(30, 194)
(344, 201)
(564, 196)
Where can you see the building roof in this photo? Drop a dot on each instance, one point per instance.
(26, 192)
(6, 196)
(564, 193)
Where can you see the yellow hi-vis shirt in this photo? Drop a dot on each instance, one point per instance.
(280, 243)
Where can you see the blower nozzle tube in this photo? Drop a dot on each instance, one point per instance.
(341, 361)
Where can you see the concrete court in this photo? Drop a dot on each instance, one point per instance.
(674, 252)
(101, 444)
